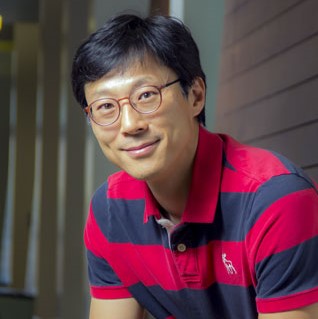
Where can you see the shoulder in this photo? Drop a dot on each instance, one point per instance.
(259, 165)
(267, 185)
(123, 186)
(119, 185)
(116, 199)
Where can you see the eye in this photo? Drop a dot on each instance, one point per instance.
(147, 94)
(104, 106)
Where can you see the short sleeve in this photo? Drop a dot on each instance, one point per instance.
(104, 283)
(283, 244)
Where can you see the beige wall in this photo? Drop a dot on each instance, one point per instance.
(42, 251)
(50, 162)
(48, 158)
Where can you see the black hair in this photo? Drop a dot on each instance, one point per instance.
(127, 37)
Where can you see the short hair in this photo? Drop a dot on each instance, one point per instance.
(125, 38)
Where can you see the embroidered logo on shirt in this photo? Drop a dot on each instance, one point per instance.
(228, 265)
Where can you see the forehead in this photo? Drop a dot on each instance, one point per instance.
(137, 65)
(121, 80)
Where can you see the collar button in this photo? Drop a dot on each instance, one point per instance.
(181, 248)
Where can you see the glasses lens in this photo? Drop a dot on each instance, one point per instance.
(104, 111)
(146, 99)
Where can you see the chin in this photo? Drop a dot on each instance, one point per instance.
(140, 176)
(144, 175)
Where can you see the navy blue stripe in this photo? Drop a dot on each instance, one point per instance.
(219, 301)
(293, 168)
(288, 164)
(289, 272)
(100, 273)
(228, 225)
(121, 221)
(152, 302)
(100, 206)
(226, 163)
(238, 212)
(276, 188)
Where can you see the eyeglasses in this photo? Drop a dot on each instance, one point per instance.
(145, 100)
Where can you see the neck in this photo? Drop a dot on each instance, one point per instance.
(172, 190)
(172, 196)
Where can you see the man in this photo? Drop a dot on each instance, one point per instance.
(196, 225)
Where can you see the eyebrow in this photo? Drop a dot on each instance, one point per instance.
(139, 83)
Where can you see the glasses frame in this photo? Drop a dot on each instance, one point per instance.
(88, 112)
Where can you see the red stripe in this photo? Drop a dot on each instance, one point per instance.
(294, 214)
(257, 163)
(122, 185)
(92, 234)
(291, 302)
(236, 182)
(203, 200)
(155, 265)
(165, 273)
(235, 253)
(110, 292)
(148, 264)
(113, 253)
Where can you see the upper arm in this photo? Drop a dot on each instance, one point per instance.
(127, 308)
(310, 312)
(283, 243)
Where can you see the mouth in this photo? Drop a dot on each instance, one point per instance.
(141, 150)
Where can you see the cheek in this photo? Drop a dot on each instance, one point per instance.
(105, 133)
(104, 137)
(172, 112)
(178, 117)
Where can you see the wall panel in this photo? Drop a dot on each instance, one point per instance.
(268, 83)
(277, 74)
(275, 114)
(245, 16)
(276, 36)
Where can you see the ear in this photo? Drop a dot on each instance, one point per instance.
(196, 96)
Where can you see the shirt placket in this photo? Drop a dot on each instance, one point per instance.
(184, 255)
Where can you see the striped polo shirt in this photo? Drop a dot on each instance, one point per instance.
(247, 242)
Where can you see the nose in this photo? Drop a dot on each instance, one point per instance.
(131, 121)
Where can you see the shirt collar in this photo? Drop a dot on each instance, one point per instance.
(205, 185)
(151, 205)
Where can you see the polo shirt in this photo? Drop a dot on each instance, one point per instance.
(247, 242)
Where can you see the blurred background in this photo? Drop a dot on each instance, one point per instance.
(261, 62)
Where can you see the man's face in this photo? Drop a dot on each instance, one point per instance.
(148, 146)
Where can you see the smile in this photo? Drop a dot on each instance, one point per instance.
(142, 150)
